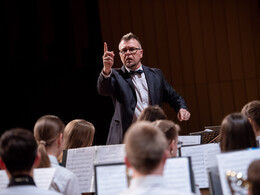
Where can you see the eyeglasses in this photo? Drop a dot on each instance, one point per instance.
(132, 50)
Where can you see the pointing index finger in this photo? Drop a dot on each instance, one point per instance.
(105, 47)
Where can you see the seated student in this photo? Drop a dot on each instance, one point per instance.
(78, 133)
(48, 132)
(253, 177)
(171, 131)
(252, 111)
(152, 113)
(18, 151)
(236, 133)
(146, 154)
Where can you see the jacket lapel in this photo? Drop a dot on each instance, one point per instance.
(150, 83)
(128, 78)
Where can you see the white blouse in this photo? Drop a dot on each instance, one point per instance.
(64, 181)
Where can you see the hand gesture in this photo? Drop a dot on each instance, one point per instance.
(183, 115)
(108, 60)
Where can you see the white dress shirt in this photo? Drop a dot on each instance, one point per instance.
(141, 90)
(64, 180)
(27, 189)
(150, 185)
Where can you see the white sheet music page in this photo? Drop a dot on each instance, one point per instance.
(111, 180)
(189, 139)
(43, 177)
(110, 154)
(177, 174)
(4, 180)
(80, 161)
(235, 161)
(202, 156)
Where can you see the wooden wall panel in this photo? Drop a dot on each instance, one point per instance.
(161, 39)
(126, 17)
(207, 49)
(239, 92)
(209, 41)
(252, 89)
(247, 45)
(255, 18)
(219, 21)
(137, 23)
(116, 24)
(197, 39)
(150, 47)
(215, 109)
(227, 99)
(185, 41)
(105, 18)
(173, 44)
(234, 42)
(203, 105)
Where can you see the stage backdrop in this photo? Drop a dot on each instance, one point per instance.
(52, 55)
(207, 49)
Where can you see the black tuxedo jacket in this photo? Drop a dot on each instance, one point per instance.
(120, 88)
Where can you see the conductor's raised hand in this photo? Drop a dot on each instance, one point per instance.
(108, 60)
(183, 115)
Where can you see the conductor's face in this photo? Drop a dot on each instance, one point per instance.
(131, 53)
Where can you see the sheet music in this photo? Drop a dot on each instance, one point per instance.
(110, 153)
(235, 161)
(111, 179)
(189, 139)
(4, 180)
(80, 161)
(202, 156)
(177, 174)
(42, 177)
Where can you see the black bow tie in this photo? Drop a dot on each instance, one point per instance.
(131, 72)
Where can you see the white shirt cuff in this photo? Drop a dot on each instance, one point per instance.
(106, 76)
